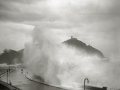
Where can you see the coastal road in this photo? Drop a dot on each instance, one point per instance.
(18, 79)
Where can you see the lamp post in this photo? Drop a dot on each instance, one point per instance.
(84, 82)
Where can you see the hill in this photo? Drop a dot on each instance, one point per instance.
(10, 57)
(81, 46)
(14, 57)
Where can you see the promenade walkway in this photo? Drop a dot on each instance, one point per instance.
(24, 80)
(18, 79)
(6, 86)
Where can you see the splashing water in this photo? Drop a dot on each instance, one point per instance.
(64, 66)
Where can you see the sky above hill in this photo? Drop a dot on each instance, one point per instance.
(95, 22)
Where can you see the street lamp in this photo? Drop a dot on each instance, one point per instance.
(84, 82)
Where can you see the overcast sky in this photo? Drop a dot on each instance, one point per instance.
(95, 22)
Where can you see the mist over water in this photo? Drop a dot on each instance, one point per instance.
(60, 65)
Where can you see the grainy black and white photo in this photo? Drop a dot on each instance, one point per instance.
(59, 44)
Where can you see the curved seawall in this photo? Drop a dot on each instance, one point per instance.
(35, 78)
(32, 77)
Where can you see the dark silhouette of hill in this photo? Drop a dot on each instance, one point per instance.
(86, 49)
(21, 51)
(11, 57)
(14, 57)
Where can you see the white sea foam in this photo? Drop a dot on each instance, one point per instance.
(60, 65)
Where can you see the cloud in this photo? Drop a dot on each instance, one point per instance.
(78, 11)
(19, 12)
(95, 22)
(13, 36)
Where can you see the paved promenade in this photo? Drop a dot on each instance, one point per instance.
(6, 86)
(23, 80)
(18, 79)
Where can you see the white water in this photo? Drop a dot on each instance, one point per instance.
(60, 65)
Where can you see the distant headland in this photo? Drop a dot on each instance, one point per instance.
(79, 45)
(15, 57)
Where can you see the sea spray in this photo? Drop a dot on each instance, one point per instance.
(61, 65)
